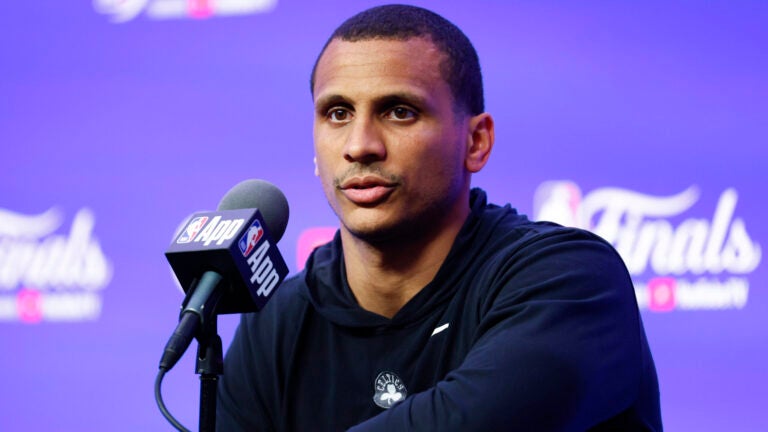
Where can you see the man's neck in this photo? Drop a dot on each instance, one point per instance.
(385, 276)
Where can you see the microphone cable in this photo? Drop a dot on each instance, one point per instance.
(160, 404)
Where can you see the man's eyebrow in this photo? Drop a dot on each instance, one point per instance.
(402, 97)
(398, 97)
(324, 102)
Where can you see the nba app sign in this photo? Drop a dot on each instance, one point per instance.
(47, 275)
(236, 244)
(700, 262)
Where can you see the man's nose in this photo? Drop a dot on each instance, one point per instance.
(365, 142)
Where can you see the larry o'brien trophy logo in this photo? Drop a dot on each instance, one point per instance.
(126, 10)
(47, 275)
(694, 263)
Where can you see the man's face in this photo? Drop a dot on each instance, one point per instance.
(389, 144)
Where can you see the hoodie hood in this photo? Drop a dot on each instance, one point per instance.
(327, 289)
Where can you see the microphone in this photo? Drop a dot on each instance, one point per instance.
(226, 260)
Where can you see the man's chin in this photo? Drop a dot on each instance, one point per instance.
(379, 232)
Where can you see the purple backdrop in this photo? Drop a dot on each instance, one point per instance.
(647, 123)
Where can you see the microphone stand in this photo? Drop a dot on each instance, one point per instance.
(210, 364)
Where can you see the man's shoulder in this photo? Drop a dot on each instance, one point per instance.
(503, 229)
(291, 290)
(520, 253)
(288, 302)
(543, 233)
(515, 234)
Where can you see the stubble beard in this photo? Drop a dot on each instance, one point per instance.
(413, 229)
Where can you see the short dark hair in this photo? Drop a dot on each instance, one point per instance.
(461, 68)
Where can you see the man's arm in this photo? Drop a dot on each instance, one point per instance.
(562, 348)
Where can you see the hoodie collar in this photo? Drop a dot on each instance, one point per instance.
(327, 289)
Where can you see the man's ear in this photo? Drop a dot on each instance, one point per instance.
(479, 142)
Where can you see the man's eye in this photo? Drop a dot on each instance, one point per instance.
(401, 113)
(338, 115)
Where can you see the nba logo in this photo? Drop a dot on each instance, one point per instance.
(251, 237)
(192, 229)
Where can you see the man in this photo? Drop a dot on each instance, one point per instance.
(432, 310)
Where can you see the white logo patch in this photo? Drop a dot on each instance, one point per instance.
(440, 328)
(389, 390)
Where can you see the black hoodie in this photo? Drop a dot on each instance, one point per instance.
(526, 327)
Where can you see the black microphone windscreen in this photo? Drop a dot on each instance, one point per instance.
(264, 196)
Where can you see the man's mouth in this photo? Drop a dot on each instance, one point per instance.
(366, 190)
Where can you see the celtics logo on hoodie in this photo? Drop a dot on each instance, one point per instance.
(389, 390)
